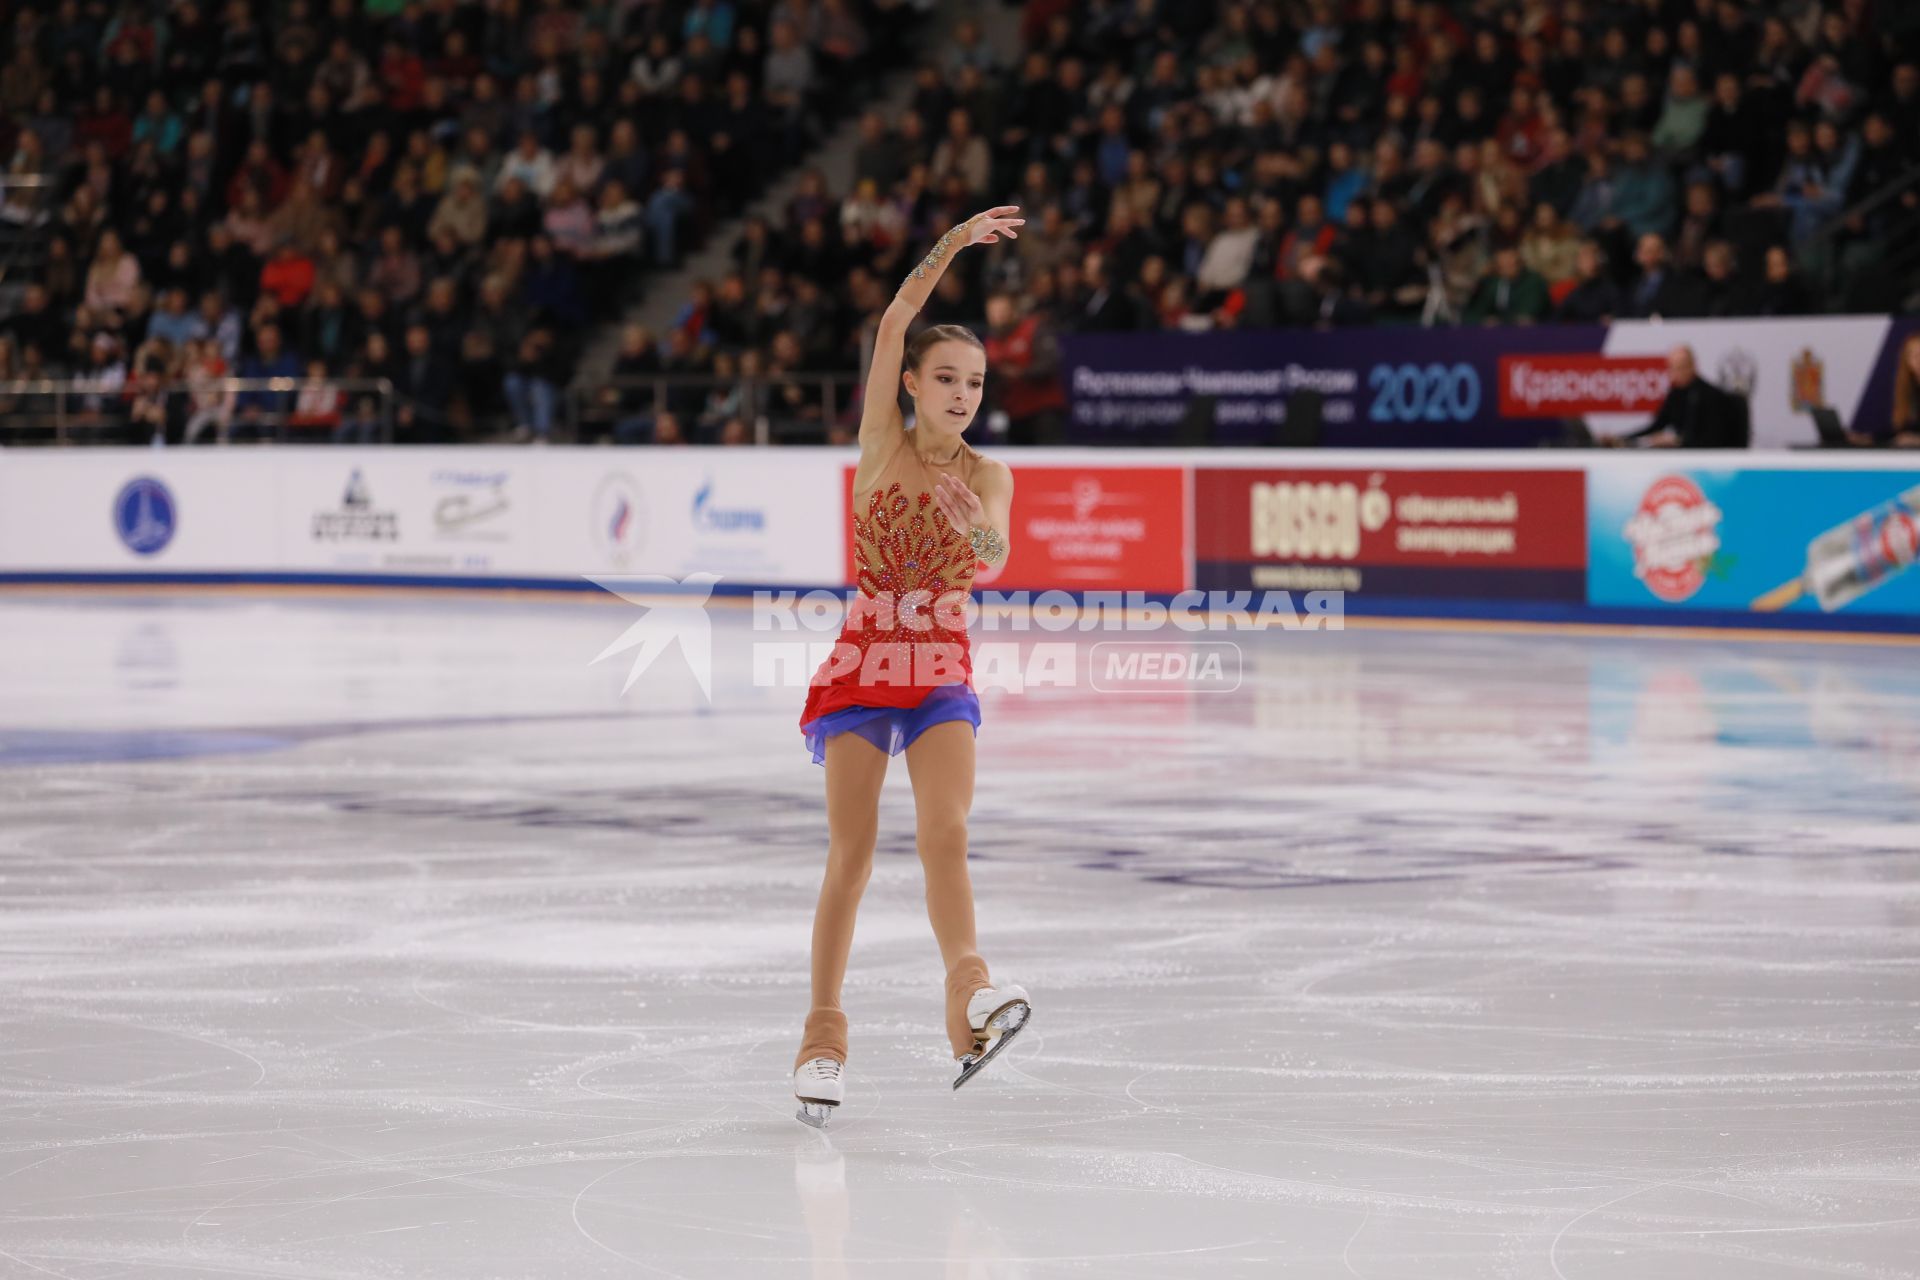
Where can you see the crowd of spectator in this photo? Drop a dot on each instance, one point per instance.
(446, 196)
(440, 195)
(1196, 166)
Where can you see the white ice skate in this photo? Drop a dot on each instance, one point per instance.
(816, 1083)
(996, 1015)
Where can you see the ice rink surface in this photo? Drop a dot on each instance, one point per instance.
(382, 937)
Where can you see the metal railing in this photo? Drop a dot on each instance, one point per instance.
(65, 411)
(591, 411)
(1891, 254)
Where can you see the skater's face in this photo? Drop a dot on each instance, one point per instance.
(946, 388)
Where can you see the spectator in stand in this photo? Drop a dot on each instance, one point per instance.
(319, 402)
(1594, 298)
(1658, 289)
(288, 276)
(1643, 197)
(1551, 246)
(113, 281)
(462, 211)
(962, 154)
(173, 323)
(423, 389)
(1511, 293)
(37, 325)
(1782, 292)
(1229, 254)
(667, 211)
(1311, 236)
(1683, 121)
(533, 386)
(209, 400)
(1025, 358)
(261, 411)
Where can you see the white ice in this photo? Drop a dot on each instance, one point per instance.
(381, 937)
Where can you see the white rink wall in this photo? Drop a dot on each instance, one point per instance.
(1555, 535)
(488, 515)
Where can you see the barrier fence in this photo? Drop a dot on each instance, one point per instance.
(1804, 541)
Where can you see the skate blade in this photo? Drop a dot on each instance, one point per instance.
(815, 1113)
(1002, 1027)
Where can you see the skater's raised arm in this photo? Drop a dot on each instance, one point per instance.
(880, 406)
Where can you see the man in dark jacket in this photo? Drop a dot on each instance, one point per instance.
(1695, 415)
(1595, 299)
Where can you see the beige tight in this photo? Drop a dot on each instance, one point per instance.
(940, 763)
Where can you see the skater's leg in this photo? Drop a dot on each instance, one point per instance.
(941, 762)
(855, 770)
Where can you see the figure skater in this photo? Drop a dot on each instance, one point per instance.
(927, 506)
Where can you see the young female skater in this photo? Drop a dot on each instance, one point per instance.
(926, 507)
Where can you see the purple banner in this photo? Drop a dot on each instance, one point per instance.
(1401, 388)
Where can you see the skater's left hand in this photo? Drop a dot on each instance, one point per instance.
(961, 504)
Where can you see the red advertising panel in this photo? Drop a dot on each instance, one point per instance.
(1087, 529)
(1449, 534)
(1570, 386)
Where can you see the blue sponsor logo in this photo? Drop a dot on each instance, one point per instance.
(144, 515)
(710, 517)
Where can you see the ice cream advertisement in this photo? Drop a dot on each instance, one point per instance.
(1814, 542)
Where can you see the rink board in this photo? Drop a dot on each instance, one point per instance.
(1548, 536)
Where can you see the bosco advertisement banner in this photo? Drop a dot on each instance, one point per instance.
(1765, 542)
(1453, 535)
(1085, 529)
(1409, 388)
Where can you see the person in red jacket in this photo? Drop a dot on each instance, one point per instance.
(1312, 236)
(1025, 355)
(288, 275)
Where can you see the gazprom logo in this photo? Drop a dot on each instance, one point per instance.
(710, 517)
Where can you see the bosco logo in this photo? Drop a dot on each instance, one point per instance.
(1315, 520)
(1675, 535)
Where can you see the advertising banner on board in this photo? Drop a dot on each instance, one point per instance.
(765, 516)
(1811, 542)
(135, 511)
(1087, 528)
(1471, 387)
(404, 511)
(1405, 388)
(1453, 535)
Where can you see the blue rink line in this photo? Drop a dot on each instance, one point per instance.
(1545, 612)
(81, 746)
(28, 747)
